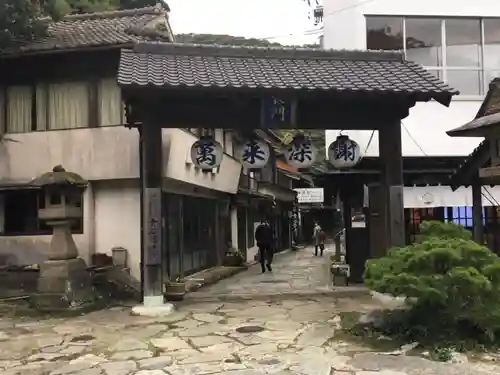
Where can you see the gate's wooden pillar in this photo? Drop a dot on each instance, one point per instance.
(477, 212)
(151, 169)
(347, 218)
(391, 158)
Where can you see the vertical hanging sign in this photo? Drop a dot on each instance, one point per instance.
(295, 221)
(153, 227)
(278, 113)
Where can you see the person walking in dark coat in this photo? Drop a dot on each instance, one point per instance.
(264, 237)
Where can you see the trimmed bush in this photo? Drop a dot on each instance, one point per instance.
(449, 280)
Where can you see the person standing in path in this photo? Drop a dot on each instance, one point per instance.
(264, 237)
(319, 239)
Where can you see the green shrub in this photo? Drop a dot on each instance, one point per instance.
(444, 230)
(449, 280)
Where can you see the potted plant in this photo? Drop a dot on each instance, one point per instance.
(175, 290)
(233, 258)
(340, 274)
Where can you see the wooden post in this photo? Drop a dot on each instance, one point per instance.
(477, 212)
(152, 221)
(391, 157)
(347, 217)
(338, 228)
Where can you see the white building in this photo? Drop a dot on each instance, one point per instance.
(458, 41)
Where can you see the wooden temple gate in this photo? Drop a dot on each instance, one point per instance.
(179, 85)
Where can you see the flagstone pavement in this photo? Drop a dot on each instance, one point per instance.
(296, 334)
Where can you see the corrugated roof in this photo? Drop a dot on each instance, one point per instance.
(201, 66)
(113, 28)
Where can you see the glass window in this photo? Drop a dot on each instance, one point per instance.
(19, 105)
(110, 101)
(452, 49)
(468, 82)
(463, 42)
(384, 33)
(492, 43)
(68, 105)
(20, 214)
(423, 41)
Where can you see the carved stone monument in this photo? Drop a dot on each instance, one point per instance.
(64, 281)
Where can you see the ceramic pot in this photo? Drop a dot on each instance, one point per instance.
(175, 291)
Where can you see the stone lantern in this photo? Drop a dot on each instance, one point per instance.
(64, 281)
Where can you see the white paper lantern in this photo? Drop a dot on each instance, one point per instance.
(254, 154)
(206, 153)
(300, 153)
(344, 153)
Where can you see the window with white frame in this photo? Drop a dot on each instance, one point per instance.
(464, 52)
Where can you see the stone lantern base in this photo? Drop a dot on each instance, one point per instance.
(64, 285)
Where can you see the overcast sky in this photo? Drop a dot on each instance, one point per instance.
(285, 21)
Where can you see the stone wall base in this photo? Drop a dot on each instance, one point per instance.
(64, 284)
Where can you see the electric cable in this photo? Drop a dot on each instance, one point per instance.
(324, 15)
(348, 7)
(491, 195)
(413, 139)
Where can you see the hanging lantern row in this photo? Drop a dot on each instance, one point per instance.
(206, 153)
(254, 153)
(300, 153)
(343, 153)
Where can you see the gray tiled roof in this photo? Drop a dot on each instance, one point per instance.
(185, 65)
(100, 29)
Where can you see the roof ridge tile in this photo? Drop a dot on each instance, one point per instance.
(157, 9)
(205, 50)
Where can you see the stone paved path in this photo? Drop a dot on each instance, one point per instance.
(297, 337)
(294, 274)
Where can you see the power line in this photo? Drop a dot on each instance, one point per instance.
(491, 195)
(413, 139)
(488, 199)
(368, 144)
(327, 14)
(303, 33)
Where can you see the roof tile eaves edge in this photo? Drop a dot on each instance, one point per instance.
(59, 49)
(426, 75)
(124, 78)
